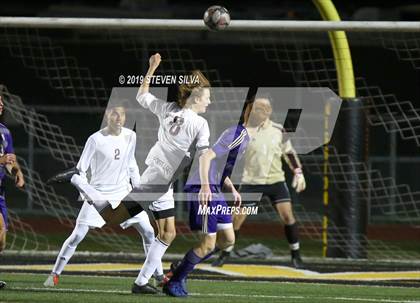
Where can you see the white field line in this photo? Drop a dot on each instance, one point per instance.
(225, 295)
(231, 281)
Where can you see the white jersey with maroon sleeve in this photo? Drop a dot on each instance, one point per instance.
(178, 129)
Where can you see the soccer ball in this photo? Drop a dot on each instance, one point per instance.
(216, 17)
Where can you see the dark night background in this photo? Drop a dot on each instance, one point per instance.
(234, 60)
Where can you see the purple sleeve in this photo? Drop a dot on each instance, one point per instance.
(9, 146)
(228, 140)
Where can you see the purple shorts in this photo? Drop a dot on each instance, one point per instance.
(207, 219)
(3, 211)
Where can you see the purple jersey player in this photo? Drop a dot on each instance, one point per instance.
(228, 149)
(9, 164)
(209, 211)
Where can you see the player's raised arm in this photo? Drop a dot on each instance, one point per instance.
(146, 99)
(154, 62)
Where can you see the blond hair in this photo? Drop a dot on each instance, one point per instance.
(188, 90)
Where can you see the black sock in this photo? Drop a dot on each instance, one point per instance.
(292, 236)
(291, 232)
(214, 251)
(236, 234)
(295, 253)
(224, 253)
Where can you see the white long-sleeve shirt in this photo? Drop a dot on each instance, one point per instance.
(177, 131)
(112, 163)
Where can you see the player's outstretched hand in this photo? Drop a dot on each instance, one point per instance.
(154, 60)
(8, 159)
(237, 199)
(19, 180)
(204, 196)
(299, 183)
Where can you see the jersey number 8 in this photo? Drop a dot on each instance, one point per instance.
(176, 125)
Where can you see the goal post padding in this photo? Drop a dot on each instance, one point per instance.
(348, 206)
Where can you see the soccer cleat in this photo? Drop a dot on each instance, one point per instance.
(52, 280)
(2, 284)
(145, 289)
(175, 289)
(172, 268)
(160, 280)
(297, 262)
(63, 177)
(184, 286)
(221, 260)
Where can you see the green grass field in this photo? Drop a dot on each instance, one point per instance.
(28, 288)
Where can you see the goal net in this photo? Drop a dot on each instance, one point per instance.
(57, 82)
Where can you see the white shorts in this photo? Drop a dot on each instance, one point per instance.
(165, 202)
(153, 175)
(111, 194)
(88, 215)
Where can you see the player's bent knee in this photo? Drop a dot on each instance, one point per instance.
(206, 247)
(167, 236)
(149, 234)
(288, 218)
(226, 243)
(75, 239)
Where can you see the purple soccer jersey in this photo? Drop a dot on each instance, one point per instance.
(229, 148)
(6, 147)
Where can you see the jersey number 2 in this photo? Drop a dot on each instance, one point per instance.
(117, 154)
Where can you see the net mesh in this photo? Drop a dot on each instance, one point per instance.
(80, 67)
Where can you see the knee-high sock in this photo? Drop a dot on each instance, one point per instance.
(154, 257)
(187, 265)
(69, 247)
(214, 251)
(147, 233)
(292, 236)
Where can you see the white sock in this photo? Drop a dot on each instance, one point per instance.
(69, 247)
(294, 246)
(145, 229)
(154, 257)
(229, 248)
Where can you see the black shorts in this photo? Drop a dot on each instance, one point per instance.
(276, 192)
